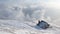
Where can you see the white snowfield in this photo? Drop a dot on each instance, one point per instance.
(18, 27)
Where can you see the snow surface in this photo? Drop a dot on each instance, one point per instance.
(17, 27)
(21, 16)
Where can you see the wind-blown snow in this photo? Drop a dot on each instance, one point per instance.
(18, 27)
(21, 16)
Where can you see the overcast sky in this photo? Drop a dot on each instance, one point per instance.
(34, 8)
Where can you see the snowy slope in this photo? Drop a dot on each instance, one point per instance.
(17, 27)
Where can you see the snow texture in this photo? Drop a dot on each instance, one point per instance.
(17, 27)
(21, 16)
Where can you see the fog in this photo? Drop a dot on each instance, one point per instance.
(30, 10)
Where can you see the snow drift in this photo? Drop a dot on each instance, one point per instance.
(21, 16)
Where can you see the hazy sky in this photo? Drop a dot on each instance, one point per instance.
(50, 8)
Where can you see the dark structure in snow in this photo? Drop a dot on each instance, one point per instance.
(42, 24)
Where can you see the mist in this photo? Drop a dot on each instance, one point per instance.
(29, 10)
